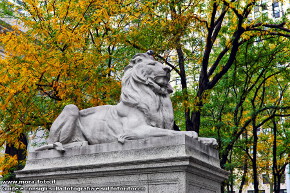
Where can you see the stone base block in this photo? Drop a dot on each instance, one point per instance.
(175, 164)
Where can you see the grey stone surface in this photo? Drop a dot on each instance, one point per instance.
(145, 110)
(177, 164)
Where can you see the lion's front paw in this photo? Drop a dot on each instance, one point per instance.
(208, 141)
(192, 134)
(121, 139)
(58, 146)
(126, 136)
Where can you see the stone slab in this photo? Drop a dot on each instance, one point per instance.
(177, 164)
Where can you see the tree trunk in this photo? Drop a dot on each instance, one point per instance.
(223, 185)
(195, 119)
(254, 160)
(277, 185)
(12, 150)
(245, 171)
(196, 114)
(181, 64)
(276, 176)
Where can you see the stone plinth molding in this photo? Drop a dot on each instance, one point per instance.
(172, 164)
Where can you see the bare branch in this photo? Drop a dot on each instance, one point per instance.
(169, 64)
(67, 10)
(216, 63)
(282, 115)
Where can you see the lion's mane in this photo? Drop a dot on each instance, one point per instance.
(138, 92)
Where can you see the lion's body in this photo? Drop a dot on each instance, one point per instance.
(144, 110)
(106, 123)
(101, 125)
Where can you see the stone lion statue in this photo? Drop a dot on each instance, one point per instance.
(144, 110)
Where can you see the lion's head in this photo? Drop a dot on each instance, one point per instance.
(144, 69)
(145, 85)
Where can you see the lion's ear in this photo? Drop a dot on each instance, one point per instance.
(132, 63)
(136, 60)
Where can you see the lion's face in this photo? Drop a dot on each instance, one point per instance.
(150, 72)
(154, 71)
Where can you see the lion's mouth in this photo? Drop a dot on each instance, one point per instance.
(162, 80)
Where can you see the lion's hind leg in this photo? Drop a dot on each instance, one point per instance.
(64, 127)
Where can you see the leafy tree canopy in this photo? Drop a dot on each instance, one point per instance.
(74, 51)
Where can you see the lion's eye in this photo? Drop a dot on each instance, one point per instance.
(152, 63)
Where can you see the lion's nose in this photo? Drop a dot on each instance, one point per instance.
(166, 69)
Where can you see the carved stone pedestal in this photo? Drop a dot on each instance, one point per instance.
(175, 164)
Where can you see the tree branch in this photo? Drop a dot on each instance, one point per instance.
(217, 61)
(230, 61)
(169, 64)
